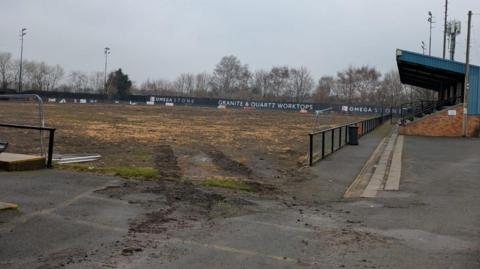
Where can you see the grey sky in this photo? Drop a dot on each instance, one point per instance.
(163, 38)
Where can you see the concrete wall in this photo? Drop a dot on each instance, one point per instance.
(441, 124)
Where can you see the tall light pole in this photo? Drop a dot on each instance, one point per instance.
(445, 30)
(107, 52)
(22, 34)
(430, 20)
(467, 76)
(423, 47)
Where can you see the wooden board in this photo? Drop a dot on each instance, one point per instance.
(5, 206)
(20, 162)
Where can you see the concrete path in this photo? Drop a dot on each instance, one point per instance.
(432, 222)
(382, 171)
(331, 176)
(395, 172)
(381, 168)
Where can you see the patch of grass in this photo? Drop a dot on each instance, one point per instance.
(227, 183)
(77, 167)
(127, 171)
(121, 171)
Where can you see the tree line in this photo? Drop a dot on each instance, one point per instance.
(229, 79)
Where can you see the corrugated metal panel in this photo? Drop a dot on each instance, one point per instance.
(457, 67)
(473, 93)
(434, 62)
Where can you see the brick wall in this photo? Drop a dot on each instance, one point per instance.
(441, 124)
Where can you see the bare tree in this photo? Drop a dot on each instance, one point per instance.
(202, 83)
(185, 83)
(302, 83)
(391, 92)
(230, 76)
(95, 81)
(6, 65)
(78, 81)
(53, 77)
(357, 84)
(260, 83)
(326, 87)
(279, 81)
(367, 83)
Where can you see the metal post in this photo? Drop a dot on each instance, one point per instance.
(333, 140)
(401, 112)
(323, 145)
(107, 52)
(467, 76)
(50, 148)
(340, 137)
(445, 30)
(22, 34)
(430, 20)
(346, 135)
(311, 150)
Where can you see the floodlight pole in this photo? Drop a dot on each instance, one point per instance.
(445, 30)
(430, 20)
(107, 52)
(467, 76)
(22, 34)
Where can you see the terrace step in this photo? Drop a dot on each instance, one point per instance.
(382, 171)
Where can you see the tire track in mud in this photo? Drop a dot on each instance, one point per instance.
(226, 163)
(166, 162)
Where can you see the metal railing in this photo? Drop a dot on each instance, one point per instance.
(38, 100)
(425, 107)
(51, 137)
(325, 142)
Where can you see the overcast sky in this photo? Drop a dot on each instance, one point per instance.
(163, 38)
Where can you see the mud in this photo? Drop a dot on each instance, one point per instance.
(166, 162)
(226, 163)
(176, 205)
(180, 142)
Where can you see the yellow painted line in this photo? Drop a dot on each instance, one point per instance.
(279, 226)
(100, 198)
(183, 241)
(89, 223)
(234, 250)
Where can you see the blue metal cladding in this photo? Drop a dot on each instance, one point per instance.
(431, 61)
(473, 107)
(457, 67)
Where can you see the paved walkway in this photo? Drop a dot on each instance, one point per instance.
(432, 222)
(331, 176)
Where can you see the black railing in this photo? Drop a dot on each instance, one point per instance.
(51, 137)
(325, 142)
(424, 107)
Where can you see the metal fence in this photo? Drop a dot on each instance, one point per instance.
(325, 142)
(51, 137)
(424, 107)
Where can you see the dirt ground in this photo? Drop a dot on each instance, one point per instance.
(295, 218)
(181, 142)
